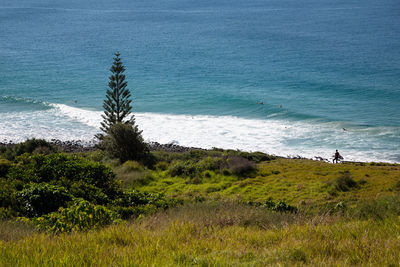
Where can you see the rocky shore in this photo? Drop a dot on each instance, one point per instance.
(86, 146)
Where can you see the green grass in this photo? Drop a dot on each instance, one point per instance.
(348, 214)
(293, 181)
(216, 234)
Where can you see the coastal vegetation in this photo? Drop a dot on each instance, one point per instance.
(123, 204)
(200, 207)
(122, 138)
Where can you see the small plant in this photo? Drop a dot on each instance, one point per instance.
(207, 174)
(240, 166)
(344, 183)
(362, 182)
(226, 172)
(162, 166)
(297, 255)
(279, 206)
(397, 185)
(132, 165)
(183, 168)
(82, 216)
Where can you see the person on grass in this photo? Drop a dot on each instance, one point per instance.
(337, 157)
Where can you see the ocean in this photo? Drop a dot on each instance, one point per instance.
(327, 72)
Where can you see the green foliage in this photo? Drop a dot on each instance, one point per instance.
(256, 157)
(161, 166)
(35, 146)
(125, 142)
(91, 193)
(6, 213)
(183, 168)
(134, 203)
(210, 163)
(117, 105)
(240, 166)
(298, 255)
(279, 206)
(8, 191)
(344, 183)
(42, 198)
(81, 216)
(64, 170)
(233, 164)
(132, 165)
(376, 209)
(4, 167)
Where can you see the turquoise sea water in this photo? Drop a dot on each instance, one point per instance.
(198, 69)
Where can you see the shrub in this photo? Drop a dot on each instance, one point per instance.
(210, 163)
(362, 182)
(6, 213)
(162, 166)
(64, 170)
(240, 166)
(82, 216)
(125, 142)
(134, 203)
(43, 198)
(183, 168)
(226, 172)
(297, 255)
(279, 206)
(37, 146)
(344, 183)
(207, 174)
(4, 167)
(256, 157)
(131, 165)
(8, 194)
(88, 192)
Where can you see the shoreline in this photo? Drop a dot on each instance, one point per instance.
(74, 146)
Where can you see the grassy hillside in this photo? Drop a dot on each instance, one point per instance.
(202, 235)
(295, 181)
(231, 215)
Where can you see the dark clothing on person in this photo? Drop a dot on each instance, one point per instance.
(337, 157)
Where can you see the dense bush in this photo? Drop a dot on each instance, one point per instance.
(35, 146)
(200, 154)
(344, 182)
(42, 198)
(184, 168)
(81, 216)
(256, 157)
(64, 170)
(8, 194)
(4, 167)
(89, 192)
(125, 142)
(240, 166)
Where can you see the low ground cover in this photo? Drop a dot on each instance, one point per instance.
(201, 208)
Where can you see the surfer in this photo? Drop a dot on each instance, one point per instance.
(337, 157)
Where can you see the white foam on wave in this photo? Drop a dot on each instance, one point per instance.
(279, 137)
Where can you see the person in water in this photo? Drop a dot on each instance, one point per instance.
(337, 157)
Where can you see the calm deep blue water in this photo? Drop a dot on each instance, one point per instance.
(198, 69)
